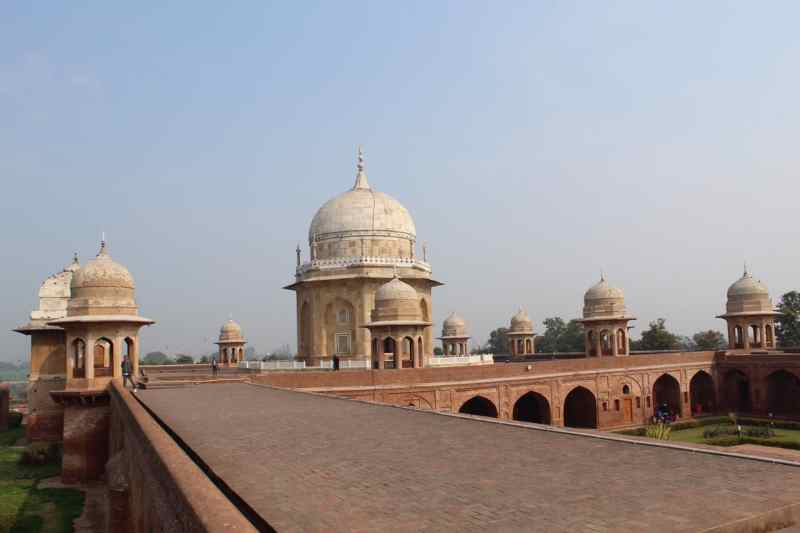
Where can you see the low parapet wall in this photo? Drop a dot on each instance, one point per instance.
(424, 376)
(153, 484)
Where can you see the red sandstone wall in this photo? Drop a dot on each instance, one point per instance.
(153, 485)
(427, 376)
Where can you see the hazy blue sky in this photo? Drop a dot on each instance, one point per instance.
(534, 144)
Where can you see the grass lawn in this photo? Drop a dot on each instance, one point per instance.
(786, 437)
(23, 506)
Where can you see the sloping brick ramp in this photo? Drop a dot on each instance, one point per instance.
(306, 462)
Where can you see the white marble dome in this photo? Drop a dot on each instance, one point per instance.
(342, 225)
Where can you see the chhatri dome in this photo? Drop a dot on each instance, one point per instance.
(748, 295)
(454, 326)
(102, 287)
(362, 222)
(396, 301)
(604, 300)
(521, 322)
(55, 292)
(230, 331)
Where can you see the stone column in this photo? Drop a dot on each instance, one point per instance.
(731, 336)
(614, 348)
(746, 336)
(763, 332)
(116, 358)
(134, 355)
(380, 353)
(598, 343)
(88, 358)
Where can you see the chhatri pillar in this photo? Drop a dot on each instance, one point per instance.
(521, 337)
(397, 327)
(101, 327)
(605, 321)
(750, 316)
(455, 340)
(231, 344)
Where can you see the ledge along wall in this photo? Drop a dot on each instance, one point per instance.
(153, 485)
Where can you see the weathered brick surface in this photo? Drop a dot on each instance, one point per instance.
(312, 463)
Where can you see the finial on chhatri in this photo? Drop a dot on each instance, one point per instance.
(75, 258)
(746, 271)
(602, 275)
(360, 165)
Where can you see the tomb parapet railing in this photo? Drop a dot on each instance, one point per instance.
(344, 262)
(461, 360)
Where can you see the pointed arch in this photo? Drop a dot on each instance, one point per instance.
(667, 392)
(532, 407)
(580, 408)
(479, 405)
(701, 390)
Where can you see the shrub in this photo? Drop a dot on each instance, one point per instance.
(40, 453)
(658, 431)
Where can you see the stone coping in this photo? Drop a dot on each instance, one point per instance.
(102, 318)
(211, 508)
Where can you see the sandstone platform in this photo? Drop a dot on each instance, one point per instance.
(306, 462)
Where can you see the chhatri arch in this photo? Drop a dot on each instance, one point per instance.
(750, 315)
(356, 240)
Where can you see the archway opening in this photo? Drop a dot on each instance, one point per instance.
(622, 342)
(605, 342)
(103, 357)
(532, 407)
(770, 340)
(478, 405)
(78, 358)
(580, 409)
(738, 337)
(667, 393)
(701, 390)
(389, 350)
(736, 389)
(591, 348)
(783, 393)
(408, 353)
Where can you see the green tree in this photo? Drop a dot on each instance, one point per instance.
(498, 341)
(657, 337)
(788, 328)
(560, 336)
(438, 351)
(709, 340)
(156, 358)
(205, 359)
(183, 359)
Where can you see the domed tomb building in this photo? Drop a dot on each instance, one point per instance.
(396, 327)
(455, 340)
(521, 337)
(231, 344)
(605, 320)
(102, 323)
(356, 240)
(750, 315)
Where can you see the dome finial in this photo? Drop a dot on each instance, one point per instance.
(102, 244)
(602, 275)
(746, 271)
(75, 258)
(361, 175)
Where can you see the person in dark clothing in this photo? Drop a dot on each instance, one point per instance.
(214, 366)
(127, 371)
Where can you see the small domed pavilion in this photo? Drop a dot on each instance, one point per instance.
(750, 315)
(102, 323)
(521, 338)
(455, 340)
(397, 327)
(231, 344)
(605, 320)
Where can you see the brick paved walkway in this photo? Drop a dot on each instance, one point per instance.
(312, 463)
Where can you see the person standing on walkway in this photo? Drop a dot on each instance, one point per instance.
(126, 374)
(214, 366)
